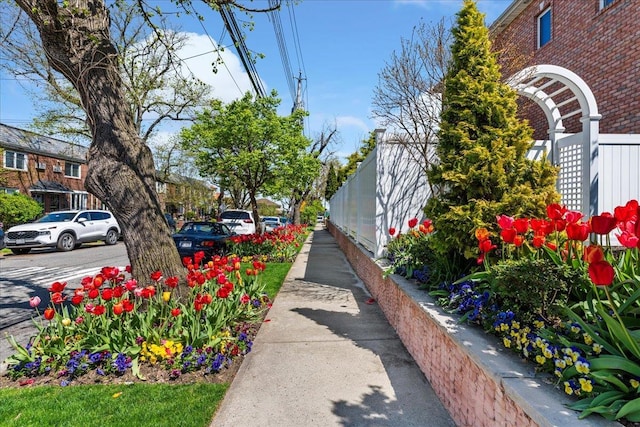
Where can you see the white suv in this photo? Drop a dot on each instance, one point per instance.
(239, 221)
(65, 230)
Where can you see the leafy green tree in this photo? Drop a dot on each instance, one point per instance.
(297, 174)
(482, 168)
(17, 208)
(248, 141)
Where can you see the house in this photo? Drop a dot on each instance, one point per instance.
(579, 81)
(52, 172)
(598, 40)
(49, 170)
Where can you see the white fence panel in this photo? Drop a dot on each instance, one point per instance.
(619, 180)
(387, 189)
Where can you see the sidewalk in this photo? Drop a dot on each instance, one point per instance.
(326, 356)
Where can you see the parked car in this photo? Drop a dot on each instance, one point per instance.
(64, 230)
(270, 223)
(239, 221)
(268, 226)
(209, 237)
(170, 222)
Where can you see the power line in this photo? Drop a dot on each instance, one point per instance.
(238, 41)
(282, 47)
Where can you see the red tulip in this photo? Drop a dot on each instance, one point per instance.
(118, 309)
(628, 240)
(49, 313)
(392, 231)
(578, 231)
(156, 275)
(486, 246)
(593, 253)
(413, 222)
(508, 235)
(57, 287)
(504, 221)
(57, 298)
(521, 225)
(107, 294)
(93, 293)
(127, 305)
(99, 310)
(172, 282)
(175, 312)
(110, 272)
(626, 212)
(573, 216)
(601, 273)
(541, 226)
(518, 240)
(131, 285)
(77, 299)
(603, 223)
(538, 241)
(555, 211)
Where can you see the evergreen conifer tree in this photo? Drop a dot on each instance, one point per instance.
(482, 169)
(332, 182)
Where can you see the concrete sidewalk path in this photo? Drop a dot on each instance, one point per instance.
(326, 356)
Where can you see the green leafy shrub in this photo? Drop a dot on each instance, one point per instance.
(533, 289)
(17, 208)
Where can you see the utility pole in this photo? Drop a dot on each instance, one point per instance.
(298, 104)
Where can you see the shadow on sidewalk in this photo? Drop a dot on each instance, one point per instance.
(414, 402)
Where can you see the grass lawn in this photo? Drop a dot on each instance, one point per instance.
(139, 405)
(152, 405)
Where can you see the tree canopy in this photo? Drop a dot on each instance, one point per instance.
(247, 142)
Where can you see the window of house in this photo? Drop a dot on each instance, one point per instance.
(605, 3)
(72, 169)
(544, 28)
(14, 160)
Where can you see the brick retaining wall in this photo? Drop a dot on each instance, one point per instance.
(477, 380)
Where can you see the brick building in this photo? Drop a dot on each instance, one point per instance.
(598, 40)
(49, 170)
(53, 172)
(576, 65)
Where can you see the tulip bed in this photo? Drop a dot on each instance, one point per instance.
(112, 327)
(556, 292)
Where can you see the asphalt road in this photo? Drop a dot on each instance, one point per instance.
(25, 276)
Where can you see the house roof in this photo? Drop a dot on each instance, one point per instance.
(30, 142)
(509, 14)
(50, 187)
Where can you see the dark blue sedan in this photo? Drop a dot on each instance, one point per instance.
(209, 237)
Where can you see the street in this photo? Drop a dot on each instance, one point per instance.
(25, 276)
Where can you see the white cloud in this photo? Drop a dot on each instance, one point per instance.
(200, 55)
(352, 122)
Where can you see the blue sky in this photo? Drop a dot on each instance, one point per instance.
(343, 45)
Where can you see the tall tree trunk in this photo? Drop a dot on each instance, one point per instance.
(121, 172)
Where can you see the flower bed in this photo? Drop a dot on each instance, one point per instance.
(112, 326)
(477, 379)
